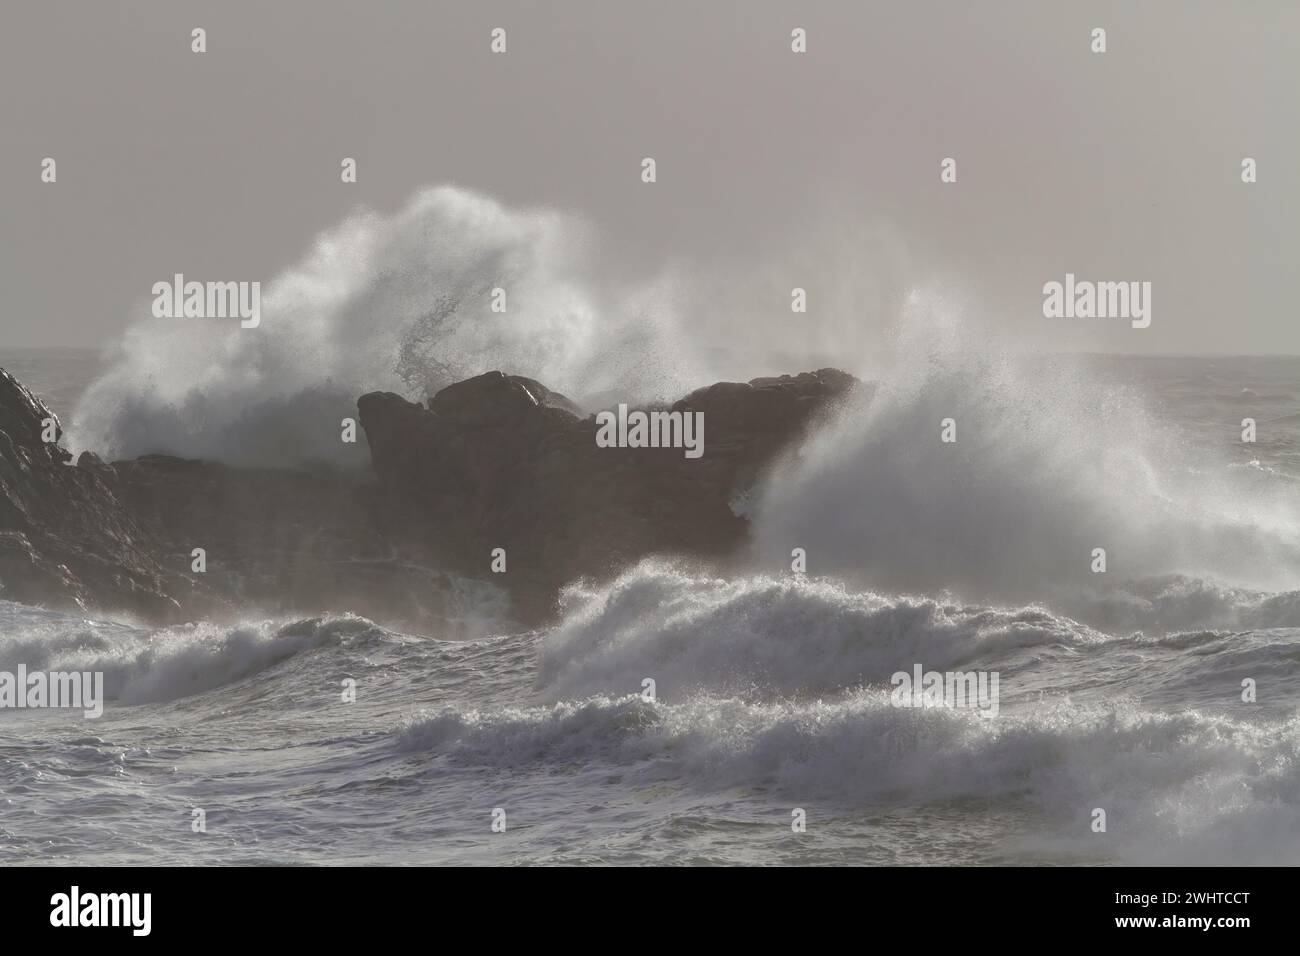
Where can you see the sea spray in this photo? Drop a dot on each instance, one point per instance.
(400, 303)
(1049, 463)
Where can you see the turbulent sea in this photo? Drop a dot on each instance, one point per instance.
(1120, 691)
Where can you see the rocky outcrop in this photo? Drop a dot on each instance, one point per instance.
(283, 541)
(66, 540)
(497, 461)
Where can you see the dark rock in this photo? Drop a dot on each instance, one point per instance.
(278, 541)
(66, 541)
(496, 461)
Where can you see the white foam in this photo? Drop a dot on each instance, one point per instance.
(783, 635)
(143, 665)
(1049, 464)
(1176, 787)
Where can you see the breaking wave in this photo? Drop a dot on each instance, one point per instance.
(148, 665)
(1049, 463)
(1177, 787)
(398, 303)
(780, 636)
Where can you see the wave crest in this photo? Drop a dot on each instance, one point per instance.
(785, 636)
(1179, 787)
(148, 666)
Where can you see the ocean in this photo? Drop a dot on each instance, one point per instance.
(773, 734)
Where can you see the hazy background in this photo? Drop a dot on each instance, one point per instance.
(775, 170)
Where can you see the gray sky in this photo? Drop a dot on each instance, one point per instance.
(775, 170)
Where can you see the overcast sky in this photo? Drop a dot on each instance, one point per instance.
(818, 170)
